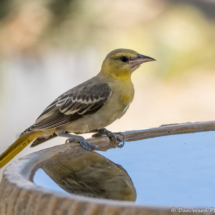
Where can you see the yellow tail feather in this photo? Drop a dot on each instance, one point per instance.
(17, 147)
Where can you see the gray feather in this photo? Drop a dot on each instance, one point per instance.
(84, 99)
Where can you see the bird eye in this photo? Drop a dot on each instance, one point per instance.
(123, 59)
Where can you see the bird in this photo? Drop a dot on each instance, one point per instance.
(88, 107)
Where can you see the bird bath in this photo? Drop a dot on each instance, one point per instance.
(147, 175)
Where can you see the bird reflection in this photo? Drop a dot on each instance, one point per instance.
(90, 174)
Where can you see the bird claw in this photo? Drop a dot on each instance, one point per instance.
(120, 140)
(83, 143)
(114, 137)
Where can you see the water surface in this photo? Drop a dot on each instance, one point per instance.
(175, 170)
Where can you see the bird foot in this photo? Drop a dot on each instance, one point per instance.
(79, 139)
(114, 137)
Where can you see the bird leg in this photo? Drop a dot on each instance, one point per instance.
(113, 136)
(78, 139)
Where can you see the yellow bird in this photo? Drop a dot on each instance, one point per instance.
(88, 107)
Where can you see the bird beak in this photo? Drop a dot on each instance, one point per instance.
(139, 60)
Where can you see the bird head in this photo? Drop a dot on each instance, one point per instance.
(121, 63)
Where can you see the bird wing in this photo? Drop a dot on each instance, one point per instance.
(82, 100)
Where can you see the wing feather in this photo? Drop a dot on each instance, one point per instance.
(72, 105)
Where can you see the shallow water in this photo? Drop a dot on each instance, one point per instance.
(175, 170)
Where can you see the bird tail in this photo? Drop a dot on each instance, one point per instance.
(17, 147)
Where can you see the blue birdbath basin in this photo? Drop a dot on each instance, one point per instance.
(175, 170)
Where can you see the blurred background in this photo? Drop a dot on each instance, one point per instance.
(50, 46)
